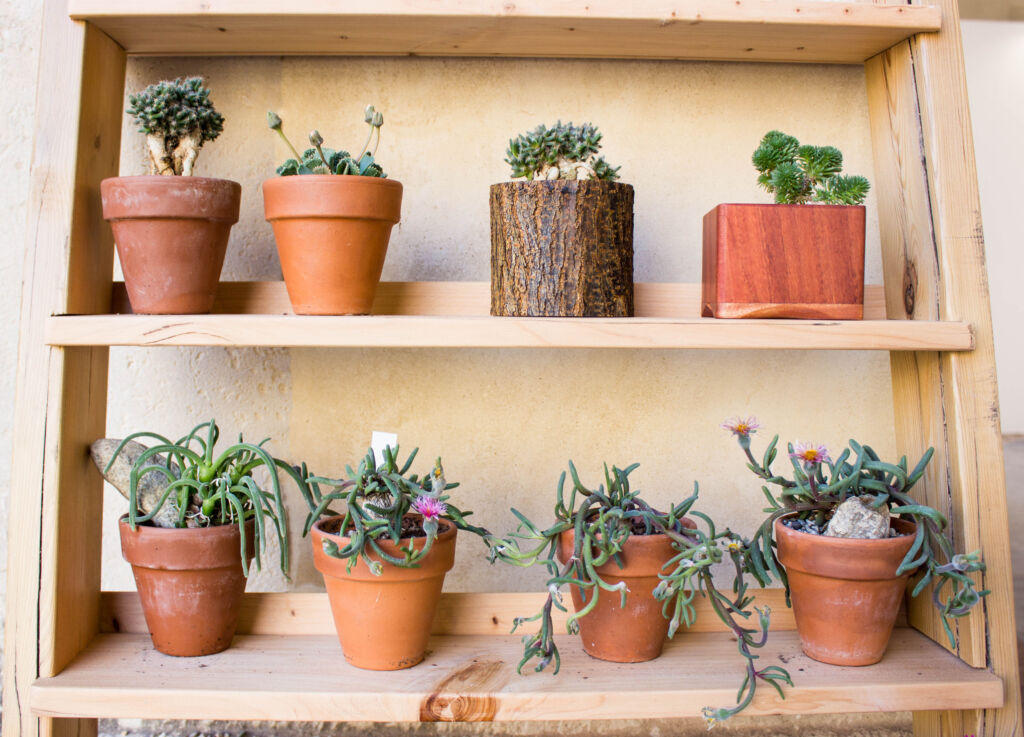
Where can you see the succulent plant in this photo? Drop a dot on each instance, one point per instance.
(819, 485)
(565, 151)
(378, 498)
(602, 521)
(177, 118)
(208, 489)
(321, 160)
(798, 174)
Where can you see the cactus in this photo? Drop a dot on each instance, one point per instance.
(565, 151)
(798, 174)
(320, 160)
(177, 118)
(377, 498)
(602, 522)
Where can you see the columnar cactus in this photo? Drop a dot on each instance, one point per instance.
(565, 151)
(177, 118)
(799, 175)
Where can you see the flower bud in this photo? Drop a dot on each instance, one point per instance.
(273, 120)
(315, 138)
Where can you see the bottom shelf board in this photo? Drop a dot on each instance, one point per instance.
(473, 678)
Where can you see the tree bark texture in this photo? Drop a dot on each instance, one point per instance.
(562, 248)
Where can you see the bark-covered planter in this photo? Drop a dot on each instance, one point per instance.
(845, 592)
(799, 261)
(190, 583)
(171, 234)
(562, 248)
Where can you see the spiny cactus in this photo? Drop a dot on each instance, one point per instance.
(177, 118)
(565, 151)
(798, 174)
(320, 160)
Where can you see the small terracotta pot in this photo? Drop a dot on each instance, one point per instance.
(797, 261)
(332, 236)
(190, 582)
(845, 592)
(171, 235)
(636, 632)
(384, 621)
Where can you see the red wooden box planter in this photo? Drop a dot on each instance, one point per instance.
(802, 261)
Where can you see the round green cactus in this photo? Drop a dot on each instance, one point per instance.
(798, 174)
(177, 118)
(565, 151)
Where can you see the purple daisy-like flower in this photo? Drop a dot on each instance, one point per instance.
(741, 427)
(429, 507)
(810, 454)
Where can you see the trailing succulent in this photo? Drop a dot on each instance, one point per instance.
(819, 485)
(602, 522)
(177, 118)
(321, 160)
(208, 489)
(378, 500)
(798, 174)
(565, 151)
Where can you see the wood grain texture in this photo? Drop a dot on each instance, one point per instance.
(795, 261)
(440, 298)
(467, 677)
(54, 556)
(506, 332)
(457, 614)
(752, 30)
(934, 266)
(562, 249)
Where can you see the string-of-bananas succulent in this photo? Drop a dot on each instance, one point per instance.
(819, 485)
(209, 489)
(177, 118)
(377, 499)
(322, 160)
(565, 151)
(602, 521)
(798, 174)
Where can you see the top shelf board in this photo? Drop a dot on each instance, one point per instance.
(718, 30)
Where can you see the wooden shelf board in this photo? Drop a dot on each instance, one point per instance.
(752, 30)
(454, 315)
(473, 678)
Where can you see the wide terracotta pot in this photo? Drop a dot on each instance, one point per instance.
(636, 632)
(845, 592)
(799, 261)
(384, 621)
(171, 235)
(332, 235)
(190, 583)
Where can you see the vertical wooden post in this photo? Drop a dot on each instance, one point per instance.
(934, 262)
(56, 500)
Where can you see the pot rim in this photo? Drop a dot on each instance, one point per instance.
(213, 530)
(551, 183)
(447, 530)
(894, 542)
(804, 206)
(161, 178)
(346, 179)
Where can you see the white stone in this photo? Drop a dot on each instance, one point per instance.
(855, 518)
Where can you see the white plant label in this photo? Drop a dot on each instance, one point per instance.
(380, 441)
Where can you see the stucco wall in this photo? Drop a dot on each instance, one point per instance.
(505, 421)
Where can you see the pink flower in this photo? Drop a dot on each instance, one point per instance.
(429, 507)
(810, 454)
(741, 427)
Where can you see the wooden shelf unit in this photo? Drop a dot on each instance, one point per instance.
(64, 666)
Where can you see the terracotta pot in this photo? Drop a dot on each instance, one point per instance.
(171, 235)
(803, 261)
(190, 582)
(636, 632)
(845, 592)
(332, 235)
(384, 621)
(562, 248)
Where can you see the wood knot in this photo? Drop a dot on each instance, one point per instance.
(909, 288)
(466, 695)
